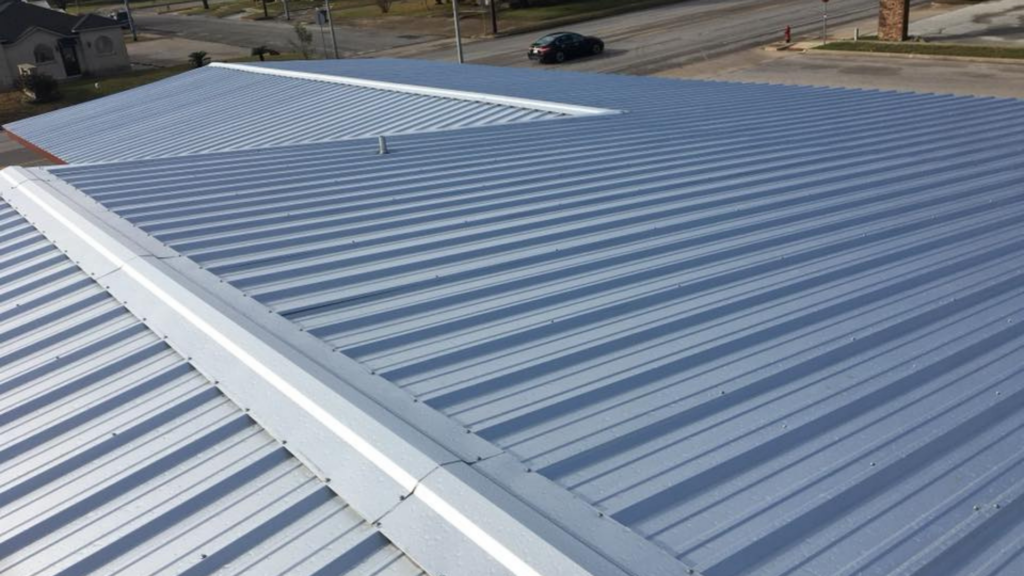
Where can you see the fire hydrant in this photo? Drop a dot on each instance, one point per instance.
(789, 35)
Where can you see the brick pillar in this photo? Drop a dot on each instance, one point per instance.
(893, 20)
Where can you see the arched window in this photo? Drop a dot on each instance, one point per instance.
(104, 45)
(43, 53)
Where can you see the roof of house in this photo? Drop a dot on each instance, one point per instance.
(118, 456)
(18, 17)
(726, 328)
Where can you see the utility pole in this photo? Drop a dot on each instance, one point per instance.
(321, 18)
(287, 16)
(131, 21)
(330, 23)
(458, 30)
(824, 22)
(494, 16)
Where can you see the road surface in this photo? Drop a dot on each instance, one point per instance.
(276, 35)
(668, 37)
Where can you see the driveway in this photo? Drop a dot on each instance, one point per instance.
(664, 38)
(870, 71)
(993, 22)
(277, 35)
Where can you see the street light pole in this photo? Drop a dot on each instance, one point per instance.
(824, 22)
(131, 21)
(458, 30)
(330, 23)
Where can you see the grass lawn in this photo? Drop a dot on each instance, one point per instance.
(927, 48)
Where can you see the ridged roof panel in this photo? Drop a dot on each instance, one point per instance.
(775, 330)
(117, 457)
(218, 108)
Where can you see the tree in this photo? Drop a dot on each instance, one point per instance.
(262, 51)
(303, 42)
(206, 4)
(384, 5)
(198, 59)
(266, 14)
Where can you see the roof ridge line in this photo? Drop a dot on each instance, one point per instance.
(388, 466)
(480, 97)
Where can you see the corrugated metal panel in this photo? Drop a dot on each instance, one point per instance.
(216, 109)
(117, 457)
(775, 330)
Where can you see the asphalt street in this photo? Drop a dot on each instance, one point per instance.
(664, 38)
(276, 35)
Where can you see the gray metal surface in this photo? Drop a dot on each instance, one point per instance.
(775, 330)
(216, 109)
(117, 457)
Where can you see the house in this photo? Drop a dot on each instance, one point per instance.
(58, 44)
(562, 324)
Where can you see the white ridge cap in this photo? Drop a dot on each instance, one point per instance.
(556, 107)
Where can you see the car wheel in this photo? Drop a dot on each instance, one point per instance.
(597, 48)
(559, 56)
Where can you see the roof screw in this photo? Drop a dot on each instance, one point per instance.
(382, 145)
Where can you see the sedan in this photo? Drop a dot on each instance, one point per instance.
(561, 46)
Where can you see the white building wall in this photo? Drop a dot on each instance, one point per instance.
(23, 52)
(90, 59)
(99, 63)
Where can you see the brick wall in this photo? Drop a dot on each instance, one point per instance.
(893, 19)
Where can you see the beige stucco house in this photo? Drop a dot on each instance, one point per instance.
(58, 44)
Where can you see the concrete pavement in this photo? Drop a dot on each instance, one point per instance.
(820, 68)
(996, 21)
(14, 154)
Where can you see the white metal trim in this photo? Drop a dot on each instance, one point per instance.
(556, 107)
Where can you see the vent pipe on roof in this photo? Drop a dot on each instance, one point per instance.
(382, 145)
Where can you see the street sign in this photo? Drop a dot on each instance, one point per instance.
(321, 16)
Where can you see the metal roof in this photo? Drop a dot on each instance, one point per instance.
(772, 329)
(118, 457)
(240, 107)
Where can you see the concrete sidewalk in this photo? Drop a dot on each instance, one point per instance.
(14, 154)
(996, 21)
(1000, 79)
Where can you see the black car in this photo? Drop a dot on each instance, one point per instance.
(561, 46)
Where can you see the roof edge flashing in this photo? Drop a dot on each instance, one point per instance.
(480, 97)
